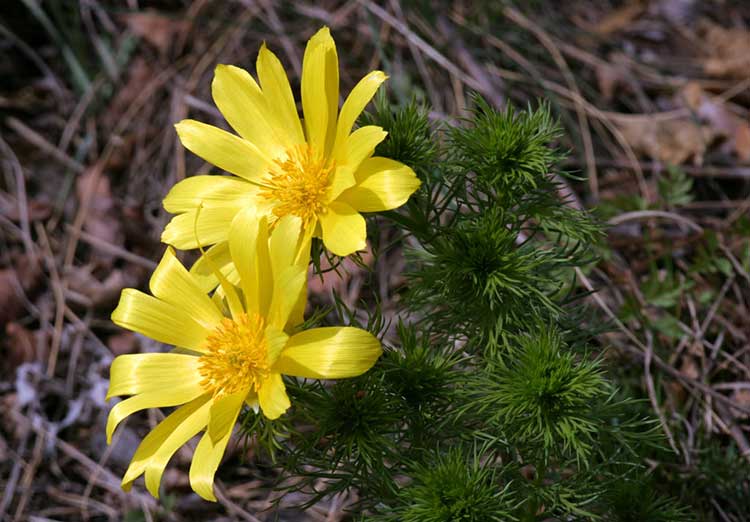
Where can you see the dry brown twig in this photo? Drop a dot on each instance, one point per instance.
(583, 123)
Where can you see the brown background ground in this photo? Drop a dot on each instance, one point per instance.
(90, 89)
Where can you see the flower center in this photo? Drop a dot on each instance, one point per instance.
(236, 356)
(298, 183)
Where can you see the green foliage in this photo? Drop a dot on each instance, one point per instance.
(539, 394)
(491, 349)
(268, 435)
(507, 153)
(721, 477)
(426, 380)
(410, 139)
(489, 284)
(352, 441)
(709, 259)
(638, 500)
(676, 188)
(456, 486)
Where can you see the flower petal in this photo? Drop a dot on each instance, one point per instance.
(248, 245)
(355, 103)
(251, 400)
(209, 191)
(297, 315)
(272, 397)
(284, 247)
(243, 105)
(216, 258)
(278, 94)
(382, 184)
(225, 150)
(136, 373)
(286, 290)
(173, 284)
(181, 393)
(320, 90)
(153, 442)
(289, 261)
(329, 353)
(182, 433)
(359, 145)
(224, 411)
(276, 340)
(344, 229)
(206, 460)
(158, 320)
(343, 178)
(211, 226)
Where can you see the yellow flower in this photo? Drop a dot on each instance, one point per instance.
(321, 171)
(232, 350)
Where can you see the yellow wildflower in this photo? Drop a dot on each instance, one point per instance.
(321, 171)
(233, 348)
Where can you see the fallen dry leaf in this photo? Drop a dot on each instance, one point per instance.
(21, 344)
(618, 19)
(715, 113)
(608, 78)
(140, 72)
(101, 293)
(122, 343)
(689, 368)
(26, 273)
(742, 141)
(742, 398)
(677, 12)
(102, 220)
(38, 210)
(158, 30)
(673, 141)
(728, 50)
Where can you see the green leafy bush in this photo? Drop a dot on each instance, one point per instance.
(489, 403)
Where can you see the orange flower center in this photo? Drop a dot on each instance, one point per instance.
(236, 356)
(298, 183)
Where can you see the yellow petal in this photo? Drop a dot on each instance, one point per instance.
(297, 316)
(360, 145)
(224, 411)
(272, 397)
(216, 258)
(212, 226)
(252, 401)
(278, 94)
(180, 393)
(276, 340)
(172, 283)
(289, 267)
(206, 460)
(182, 433)
(320, 90)
(243, 105)
(343, 178)
(286, 291)
(248, 245)
(156, 438)
(131, 374)
(355, 103)
(329, 353)
(344, 229)
(382, 184)
(284, 243)
(158, 320)
(209, 191)
(225, 150)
